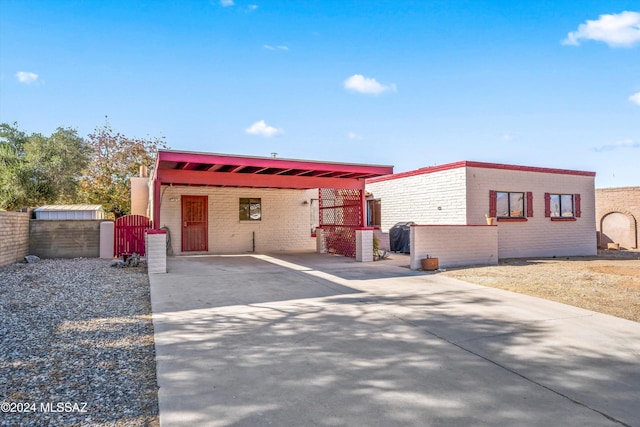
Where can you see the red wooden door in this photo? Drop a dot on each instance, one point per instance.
(194, 224)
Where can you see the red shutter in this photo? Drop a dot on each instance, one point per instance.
(576, 201)
(529, 204)
(493, 202)
(547, 205)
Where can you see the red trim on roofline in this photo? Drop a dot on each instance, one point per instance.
(268, 162)
(453, 225)
(472, 164)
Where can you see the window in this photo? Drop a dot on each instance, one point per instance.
(509, 205)
(373, 213)
(562, 206)
(250, 209)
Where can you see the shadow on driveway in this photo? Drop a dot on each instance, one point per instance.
(270, 341)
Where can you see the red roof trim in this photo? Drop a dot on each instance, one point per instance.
(269, 162)
(473, 164)
(452, 225)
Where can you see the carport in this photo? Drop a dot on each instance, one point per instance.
(340, 196)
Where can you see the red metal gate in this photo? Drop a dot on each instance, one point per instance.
(129, 234)
(340, 215)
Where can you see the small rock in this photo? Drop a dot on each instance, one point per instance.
(133, 260)
(31, 259)
(118, 263)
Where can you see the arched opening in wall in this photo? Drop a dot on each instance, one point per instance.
(617, 227)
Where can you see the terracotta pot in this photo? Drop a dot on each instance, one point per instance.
(429, 264)
(490, 221)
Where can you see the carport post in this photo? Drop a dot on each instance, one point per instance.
(363, 208)
(156, 248)
(364, 244)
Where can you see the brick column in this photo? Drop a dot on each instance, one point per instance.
(364, 244)
(156, 246)
(320, 246)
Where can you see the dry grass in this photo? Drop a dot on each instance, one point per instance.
(608, 283)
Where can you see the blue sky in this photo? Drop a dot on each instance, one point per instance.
(411, 84)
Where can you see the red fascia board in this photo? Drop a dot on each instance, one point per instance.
(185, 177)
(421, 171)
(452, 225)
(267, 162)
(466, 163)
(529, 169)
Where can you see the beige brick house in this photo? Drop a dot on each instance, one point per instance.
(540, 212)
(220, 203)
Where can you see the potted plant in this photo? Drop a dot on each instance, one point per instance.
(490, 219)
(429, 263)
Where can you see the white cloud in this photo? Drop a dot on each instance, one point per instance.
(616, 30)
(354, 136)
(635, 98)
(262, 129)
(226, 3)
(269, 47)
(252, 7)
(26, 77)
(362, 84)
(625, 143)
(508, 137)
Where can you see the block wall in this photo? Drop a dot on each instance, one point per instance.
(432, 198)
(617, 216)
(538, 236)
(64, 238)
(454, 245)
(14, 237)
(285, 225)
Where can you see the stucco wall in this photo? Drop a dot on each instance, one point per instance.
(431, 198)
(618, 214)
(140, 196)
(538, 236)
(285, 224)
(14, 236)
(454, 245)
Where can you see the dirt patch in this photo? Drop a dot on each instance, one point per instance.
(608, 283)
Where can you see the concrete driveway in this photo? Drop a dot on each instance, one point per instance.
(303, 340)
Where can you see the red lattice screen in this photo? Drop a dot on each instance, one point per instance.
(340, 215)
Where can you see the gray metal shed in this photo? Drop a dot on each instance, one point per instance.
(58, 212)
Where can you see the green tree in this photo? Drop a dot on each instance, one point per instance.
(37, 169)
(116, 158)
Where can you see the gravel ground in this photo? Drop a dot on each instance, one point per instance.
(76, 345)
(608, 283)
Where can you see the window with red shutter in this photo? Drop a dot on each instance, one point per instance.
(562, 207)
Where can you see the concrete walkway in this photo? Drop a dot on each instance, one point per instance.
(300, 340)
